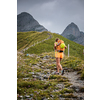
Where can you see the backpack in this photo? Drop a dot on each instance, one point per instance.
(60, 45)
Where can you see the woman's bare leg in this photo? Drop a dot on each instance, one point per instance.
(58, 64)
(57, 60)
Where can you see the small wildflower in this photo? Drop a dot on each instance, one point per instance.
(34, 79)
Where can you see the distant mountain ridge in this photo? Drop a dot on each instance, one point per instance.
(25, 22)
(73, 33)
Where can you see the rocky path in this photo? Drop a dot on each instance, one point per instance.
(77, 84)
(74, 78)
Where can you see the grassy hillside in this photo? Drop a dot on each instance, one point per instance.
(26, 39)
(34, 73)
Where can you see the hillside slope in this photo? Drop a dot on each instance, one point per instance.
(36, 66)
(26, 39)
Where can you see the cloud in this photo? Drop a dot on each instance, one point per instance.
(54, 15)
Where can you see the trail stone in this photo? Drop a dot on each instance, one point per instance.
(55, 67)
(21, 96)
(81, 98)
(51, 95)
(76, 88)
(61, 86)
(27, 96)
(34, 76)
(53, 72)
(26, 78)
(44, 98)
(39, 77)
(31, 73)
(65, 68)
(31, 95)
(45, 77)
(42, 67)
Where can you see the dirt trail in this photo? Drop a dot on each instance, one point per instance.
(77, 84)
(74, 78)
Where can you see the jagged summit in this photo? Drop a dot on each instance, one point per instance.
(73, 33)
(25, 22)
(72, 23)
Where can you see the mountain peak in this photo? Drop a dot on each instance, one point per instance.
(71, 29)
(25, 22)
(24, 13)
(73, 23)
(73, 33)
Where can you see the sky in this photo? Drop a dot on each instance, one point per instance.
(54, 15)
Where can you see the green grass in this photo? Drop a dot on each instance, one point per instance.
(65, 90)
(48, 45)
(25, 39)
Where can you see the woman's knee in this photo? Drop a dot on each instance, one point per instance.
(58, 64)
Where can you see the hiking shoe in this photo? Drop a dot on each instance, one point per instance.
(56, 73)
(62, 72)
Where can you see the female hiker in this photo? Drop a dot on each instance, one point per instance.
(59, 48)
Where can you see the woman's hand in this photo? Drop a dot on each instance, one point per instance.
(65, 47)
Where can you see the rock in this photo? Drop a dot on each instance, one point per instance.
(45, 77)
(21, 96)
(31, 73)
(52, 57)
(34, 76)
(31, 95)
(29, 99)
(65, 68)
(55, 68)
(60, 95)
(60, 86)
(26, 78)
(42, 67)
(27, 96)
(51, 95)
(38, 64)
(77, 89)
(39, 77)
(81, 98)
(44, 98)
(53, 72)
(47, 56)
